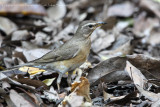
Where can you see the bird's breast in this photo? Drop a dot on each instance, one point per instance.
(79, 59)
(75, 62)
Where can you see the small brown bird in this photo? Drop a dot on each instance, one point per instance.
(70, 55)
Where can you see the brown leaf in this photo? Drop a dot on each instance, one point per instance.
(151, 5)
(35, 98)
(47, 2)
(24, 9)
(143, 25)
(149, 66)
(82, 88)
(108, 71)
(35, 83)
(140, 82)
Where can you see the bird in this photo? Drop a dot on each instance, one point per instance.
(70, 55)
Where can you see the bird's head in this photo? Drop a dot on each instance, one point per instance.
(86, 28)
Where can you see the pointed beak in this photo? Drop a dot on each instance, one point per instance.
(100, 24)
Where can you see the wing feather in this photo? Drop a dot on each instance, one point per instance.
(60, 54)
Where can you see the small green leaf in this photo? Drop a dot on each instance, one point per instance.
(48, 82)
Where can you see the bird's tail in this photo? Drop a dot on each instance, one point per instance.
(18, 66)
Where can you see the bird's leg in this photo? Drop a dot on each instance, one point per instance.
(69, 77)
(59, 81)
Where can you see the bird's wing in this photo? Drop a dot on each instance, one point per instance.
(63, 53)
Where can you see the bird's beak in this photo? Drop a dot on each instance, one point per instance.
(100, 24)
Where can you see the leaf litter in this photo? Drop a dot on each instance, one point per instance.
(122, 68)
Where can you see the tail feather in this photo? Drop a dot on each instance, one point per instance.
(18, 66)
(14, 69)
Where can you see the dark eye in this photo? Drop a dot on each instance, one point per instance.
(90, 26)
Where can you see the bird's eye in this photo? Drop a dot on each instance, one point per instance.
(90, 26)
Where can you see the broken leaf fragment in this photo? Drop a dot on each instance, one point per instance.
(51, 95)
(31, 70)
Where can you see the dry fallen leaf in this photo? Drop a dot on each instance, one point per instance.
(109, 71)
(7, 25)
(19, 100)
(123, 100)
(136, 75)
(80, 90)
(59, 10)
(140, 82)
(154, 38)
(149, 95)
(31, 70)
(121, 47)
(47, 2)
(143, 26)
(103, 41)
(148, 65)
(152, 5)
(30, 82)
(34, 97)
(51, 95)
(105, 94)
(72, 99)
(39, 37)
(20, 35)
(34, 53)
(125, 9)
(21, 8)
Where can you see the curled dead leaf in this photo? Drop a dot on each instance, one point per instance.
(82, 88)
(110, 70)
(141, 82)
